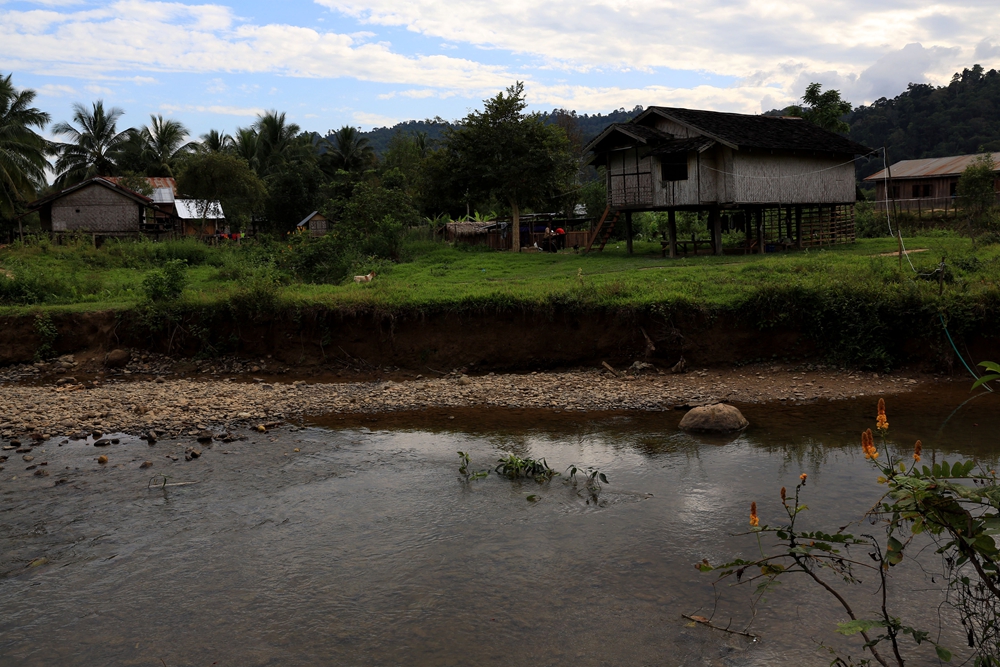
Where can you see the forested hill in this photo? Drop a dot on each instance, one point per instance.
(588, 125)
(933, 121)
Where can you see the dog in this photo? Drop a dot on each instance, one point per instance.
(364, 279)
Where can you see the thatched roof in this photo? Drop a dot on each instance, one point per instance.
(469, 228)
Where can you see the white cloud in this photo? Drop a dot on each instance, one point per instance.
(215, 108)
(55, 90)
(173, 37)
(370, 120)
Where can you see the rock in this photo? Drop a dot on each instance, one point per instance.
(117, 358)
(27, 458)
(102, 443)
(41, 472)
(146, 464)
(261, 428)
(191, 453)
(96, 435)
(717, 418)
(204, 436)
(66, 380)
(464, 381)
(102, 459)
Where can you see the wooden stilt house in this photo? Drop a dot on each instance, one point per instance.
(783, 181)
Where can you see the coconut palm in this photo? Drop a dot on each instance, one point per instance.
(216, 142)
(245, 145)
(92, 146)
(275, 140)
(165, 145)
(349, 150)
(22, 150)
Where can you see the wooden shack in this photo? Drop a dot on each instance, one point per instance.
(102, 209)
(784, 182)
(315, 224)
(929, 184)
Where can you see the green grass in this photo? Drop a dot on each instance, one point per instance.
(438, 276)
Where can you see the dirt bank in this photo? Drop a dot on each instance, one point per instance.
(318, 341)
(182, 406)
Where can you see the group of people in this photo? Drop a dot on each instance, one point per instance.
(552, 240)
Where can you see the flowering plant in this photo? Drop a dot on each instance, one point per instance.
(954, 505)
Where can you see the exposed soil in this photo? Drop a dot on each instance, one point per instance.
(181, 406)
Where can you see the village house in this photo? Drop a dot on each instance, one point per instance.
(315, 224)
(101, 208)
(923, 185)
(784, 182)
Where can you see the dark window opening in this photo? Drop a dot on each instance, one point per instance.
(953, 191)
(675, 167)
(915, 191)
(925, 191)
(894, 192)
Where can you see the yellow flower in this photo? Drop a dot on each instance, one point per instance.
(782, 495)
(868, 445)
(802, 478)
(754, 521)
(880, 421)
(917, 450)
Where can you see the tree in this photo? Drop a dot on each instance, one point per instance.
(349, 151)
(515, 157)
(92, 145)
(245, 143)
(977, 191)
(275, 140)
(223, 178)
(22, 150)
(826, 110)
(165, 145)
(215, 142)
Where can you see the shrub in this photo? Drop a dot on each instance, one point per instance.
(166, 284)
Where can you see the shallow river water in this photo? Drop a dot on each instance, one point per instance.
(366, 548)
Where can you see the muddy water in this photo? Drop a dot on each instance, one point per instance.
(365, 548)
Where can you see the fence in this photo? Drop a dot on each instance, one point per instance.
(942, 206)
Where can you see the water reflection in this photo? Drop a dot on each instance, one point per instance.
(365, 547)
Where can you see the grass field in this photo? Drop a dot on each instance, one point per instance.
(438, 276)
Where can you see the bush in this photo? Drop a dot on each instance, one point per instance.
(166, 284)
(23, 286)
(869, 223)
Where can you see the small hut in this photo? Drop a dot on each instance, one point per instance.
(316, 224)
(930, 184)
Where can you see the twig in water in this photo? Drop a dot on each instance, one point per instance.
(705, 621)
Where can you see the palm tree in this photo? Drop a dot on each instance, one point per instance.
(349, 150)
(22, 150)
(92, 147)
(246, 145)
(275, 140)
(165, 145)
(216, 142)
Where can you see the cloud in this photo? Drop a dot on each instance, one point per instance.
(215, 108)
(55, 90)
(173, 37)
(371, 120)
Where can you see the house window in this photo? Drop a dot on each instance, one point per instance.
(675, 167)
(916, 191)
(953, 189)
(925, 191)
(894, 192)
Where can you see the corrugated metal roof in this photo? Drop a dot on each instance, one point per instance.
(188, 209)
(163, 196)
(934, 167)
(305, 220)
(169, 185)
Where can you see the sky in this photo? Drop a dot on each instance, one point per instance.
(370, 63)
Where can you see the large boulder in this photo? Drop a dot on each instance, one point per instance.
(717, 418)
(118, 358)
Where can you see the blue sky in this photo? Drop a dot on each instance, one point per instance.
(367, 63)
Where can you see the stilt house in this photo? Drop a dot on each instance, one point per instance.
(783, 181)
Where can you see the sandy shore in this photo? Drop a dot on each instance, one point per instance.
(178, 406)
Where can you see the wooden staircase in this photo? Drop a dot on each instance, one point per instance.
(602, 232)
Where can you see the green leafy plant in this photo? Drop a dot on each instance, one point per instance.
(956, 506)
(514, 467)
(469, 475)
(594, 477)
(166, 284)
(47, 334)
(993, 368)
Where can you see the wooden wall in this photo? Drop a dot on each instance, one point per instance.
(765, 178)
(96, 209)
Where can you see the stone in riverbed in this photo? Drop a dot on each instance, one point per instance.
(717, 418)
(117, 358)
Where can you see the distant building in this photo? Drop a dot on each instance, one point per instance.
(783, 181)
(922, 185)
(315, 224)
(102, 208)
